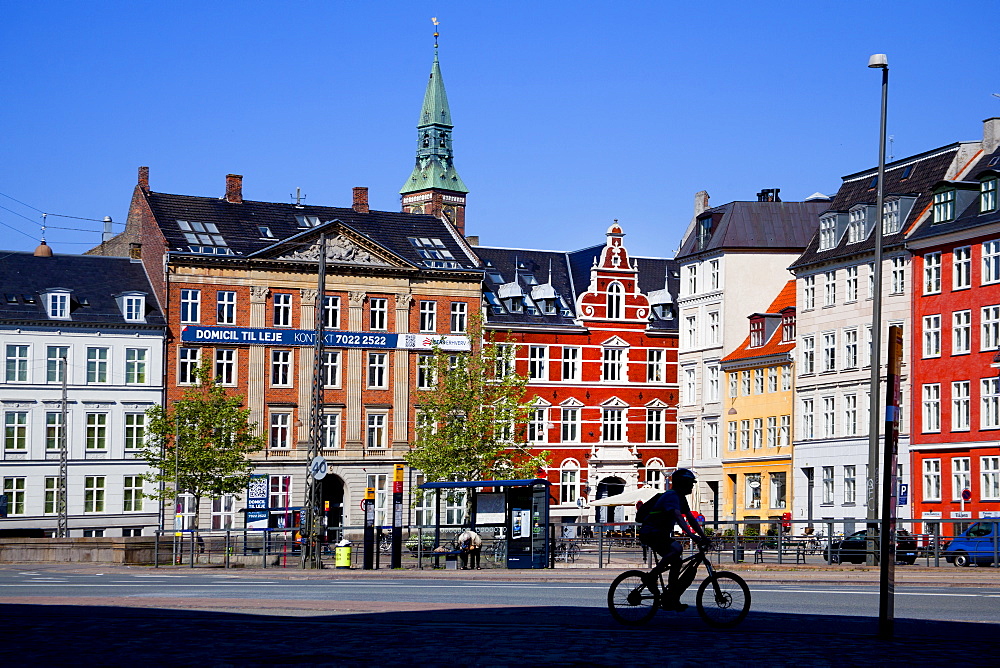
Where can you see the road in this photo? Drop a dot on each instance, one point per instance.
(254, 618)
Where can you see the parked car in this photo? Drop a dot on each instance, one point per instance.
(853, 548)
(975, 546)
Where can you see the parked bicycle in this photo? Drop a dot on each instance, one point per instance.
(566, 551)
(723, 599)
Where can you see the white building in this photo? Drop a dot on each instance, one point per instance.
(733, 260)
(94, 319)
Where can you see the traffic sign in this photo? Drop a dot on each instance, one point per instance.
(317, 468)
(967, 495)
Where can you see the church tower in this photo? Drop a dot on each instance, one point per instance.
(434, 187)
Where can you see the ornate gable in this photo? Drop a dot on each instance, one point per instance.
(613, 293)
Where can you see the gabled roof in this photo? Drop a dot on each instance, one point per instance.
(971, 218)
(94, 281)
(757, 225)
(774, 345)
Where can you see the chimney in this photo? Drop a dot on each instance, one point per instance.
(360, 203)
(991, 134)
(144, 178)
(769, 195)
(700, 202)
(43, 250)
(473, 240)
(107, 234)
(234, 188)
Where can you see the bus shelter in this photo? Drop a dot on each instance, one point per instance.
(519, 507)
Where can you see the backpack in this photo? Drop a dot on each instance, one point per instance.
(645, 509)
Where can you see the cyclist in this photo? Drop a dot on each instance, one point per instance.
(670, 509)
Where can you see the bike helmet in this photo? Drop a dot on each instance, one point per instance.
(683, 474)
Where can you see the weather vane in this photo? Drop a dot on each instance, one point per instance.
(435, 22)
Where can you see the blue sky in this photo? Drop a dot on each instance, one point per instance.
(567, 114)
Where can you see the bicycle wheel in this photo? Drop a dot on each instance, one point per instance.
(729, 605)
(630, 601)
(572, 552)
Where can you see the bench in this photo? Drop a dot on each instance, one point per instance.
(787, 551)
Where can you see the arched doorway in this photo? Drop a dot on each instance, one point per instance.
(332, 492)
(610, 486)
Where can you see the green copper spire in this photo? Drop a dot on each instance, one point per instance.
(435, 167)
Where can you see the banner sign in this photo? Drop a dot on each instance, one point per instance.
(257, 492)
(306, 337)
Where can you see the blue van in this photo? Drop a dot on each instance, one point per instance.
(978, 545)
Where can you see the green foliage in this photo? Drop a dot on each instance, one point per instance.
(471, 425)
(200, 444)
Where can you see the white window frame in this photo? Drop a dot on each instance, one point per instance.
(655, 365)
(932, 273)
(961, 274)
(377, 370)
(615, 301)
(931, 415)
(829, 352)
(989, 417)
(961, 476)
(961, 332)
(850, 284)
(613, 365)
(96, 431)
(990, 337)
(809, 293)
(570, 425)
(428, 316)
(17, 368)
(613, 425)
(282, 309)
(134, 430)
(961, 405)
(989, 478)
(225, 307)
(225, 366)
(570, 363)
(378, 312)
(830, 289)
(188, 359)
(932, 335)
(538, 363)
(98, 365)
(190, 310)
(808, 354)
(280, 431)
(281, 367)
(932, 479)
(991, 262)
(654, 425)
(459, 317)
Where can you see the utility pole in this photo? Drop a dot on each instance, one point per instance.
(311, 516)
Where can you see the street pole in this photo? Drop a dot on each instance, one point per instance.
(310, 518)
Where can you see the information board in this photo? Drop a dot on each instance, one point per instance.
(307, 337)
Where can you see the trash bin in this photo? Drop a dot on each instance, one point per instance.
(451, 561)
(738, 553)
(342, 554)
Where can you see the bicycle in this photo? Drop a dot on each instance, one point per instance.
(723, 598)
(566, 551)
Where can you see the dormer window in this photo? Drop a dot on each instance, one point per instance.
(827, 232)
(529, 279)
(307, 221)
(704, 231)
(988, 195)
(890, 217)
(756, 333)
(856, 226)
(133, 306)
(57, 304)
(434, 252)
(788, 327)
(494, 276)
(265, 232)
(944, 206)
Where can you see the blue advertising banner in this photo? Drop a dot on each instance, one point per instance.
(257, 493)
(305, 337)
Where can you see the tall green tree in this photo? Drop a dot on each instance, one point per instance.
(471, 425)
(200, 444)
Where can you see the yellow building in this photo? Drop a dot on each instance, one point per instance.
(757, 456)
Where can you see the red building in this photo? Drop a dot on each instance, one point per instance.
(597, 336)
(956, 338)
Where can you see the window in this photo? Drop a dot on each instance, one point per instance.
(538, 363)
(17, 364)
(890, 217)
(425, 372)
(615, 301)
(53, 495)
(751, 495)
(827, 232)
(932, 479)
(613, 364)
(745, 382)
(53, 430)
(536, 426)
(786, 378)
(689, 389)
(714, 329)
(990, 338)
(135, 366)
(190, 306)
(850, 348)
(871, 280)
(505, 358)
(898, 275)
(944, 206)
(331, 311)
(434, 253)
(97, 431)
(654, 425)
(331, 368)
(932, 407)
(279, 491)
(135, 430)
(223, 512)
(612, 425)
(376, 431)
(377, 310)
(851, 284)
(654, 477)
(459, 317)
(990, 418)
(132, 494)
(203, 237)
(772, 431)
(97, 365)
(758, 433)
(808, 418)
(93, 494)
(785, 431)
(850, 414)
(960, 476)
(778, 487)
(57, 305)
(830, 351)
(282, 309)
(744, 434)
(808, 354)
(281, 368)
(655, 372)
(734, 384)
(569, 483)
(731, 432)
(829, 417)
(134, 308)
(330, 431)
(14, 489)
(571, 425)
(830, 289)
(756, 333)
(989, 470)
(961, 332)
(850, 485)
(376, 369)
(571, 363)
(758, 381)
(932, 273)
(15, 432)
(960, 405)
(428, 316)
(691, 331)
(961, 268)
(827, 485)
(809, 292)
(188, 360)
(987, 195)
(712, 371)
(991, 262)
(225, 307)
(691, 272)
(687, 442)
(711, 439)
(55, 362)
(932, 335)
(856, 226)
(280, 427)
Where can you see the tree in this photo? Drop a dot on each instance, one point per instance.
(200, 444)
(471, 425)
